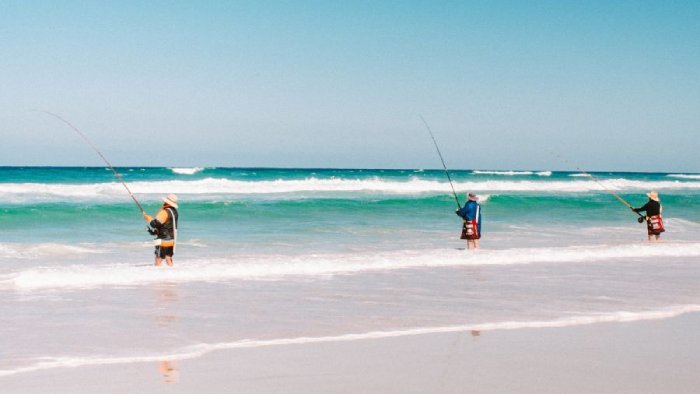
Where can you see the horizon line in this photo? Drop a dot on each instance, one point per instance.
(534, 171)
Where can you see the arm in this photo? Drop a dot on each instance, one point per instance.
(460, 212)
(159, 220)
(644, 208)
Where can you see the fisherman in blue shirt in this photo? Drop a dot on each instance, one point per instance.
(471, 228)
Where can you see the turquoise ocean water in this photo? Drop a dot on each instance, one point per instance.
(276, 254)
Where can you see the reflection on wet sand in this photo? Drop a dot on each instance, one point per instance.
(166, 321)
(169, 371)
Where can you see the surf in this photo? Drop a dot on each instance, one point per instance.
(318, 265)
(198, 189)
(186, 170)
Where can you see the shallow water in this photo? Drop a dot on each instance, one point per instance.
(270, 255)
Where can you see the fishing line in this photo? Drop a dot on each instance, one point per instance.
(596, 180)
(111, 167)
(454, 193)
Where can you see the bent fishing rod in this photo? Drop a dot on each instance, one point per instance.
(454, 193)
(111, 167)
(596, 180)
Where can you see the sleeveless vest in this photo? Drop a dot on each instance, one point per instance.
(167, 232)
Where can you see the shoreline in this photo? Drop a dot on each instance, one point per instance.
(640, 356)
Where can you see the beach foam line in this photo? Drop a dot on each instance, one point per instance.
(30, 192)
(200, 350)
(283, 267)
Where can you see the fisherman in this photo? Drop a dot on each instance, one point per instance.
(164, 227)
(471, 228)
(655, 225)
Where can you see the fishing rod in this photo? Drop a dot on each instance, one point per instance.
(454, 193)
(622, 200)
(111, 167)
(596, 180)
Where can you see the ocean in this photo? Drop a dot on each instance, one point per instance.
(268, 257)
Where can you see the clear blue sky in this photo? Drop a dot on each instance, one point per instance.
(613, 85)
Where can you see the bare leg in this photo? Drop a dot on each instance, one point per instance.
(476, 244)
(158, 261)
(169, 261)
(470, 244)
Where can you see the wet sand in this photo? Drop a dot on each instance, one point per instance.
(645, 356)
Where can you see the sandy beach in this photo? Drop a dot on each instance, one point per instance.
(640, 357)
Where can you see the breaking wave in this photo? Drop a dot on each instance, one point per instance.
(512, 173)
(29, 192)
(186, 171)
(685, 176)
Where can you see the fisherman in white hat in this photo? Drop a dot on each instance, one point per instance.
(471, 226)
(164, 227)
(653, 208)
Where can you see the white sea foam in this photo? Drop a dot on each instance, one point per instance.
(580, 175)
(280, 267)
(678, 223)
(186, 171)
(504, 173)
(685, 176)
(32, 251)
(512, 173)
(199, 350)
(198, 189)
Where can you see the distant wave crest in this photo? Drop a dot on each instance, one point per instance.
(512, 173)
(199, 189)
(685, 176)
(186, 171)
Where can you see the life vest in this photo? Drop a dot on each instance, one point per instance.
(655, 225)
(166, 232)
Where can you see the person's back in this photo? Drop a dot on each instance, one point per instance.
(652, 208)
(471, 228)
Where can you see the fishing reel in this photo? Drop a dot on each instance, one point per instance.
(154, 232)
(641, 219)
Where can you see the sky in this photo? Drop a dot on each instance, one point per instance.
(550, 85)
